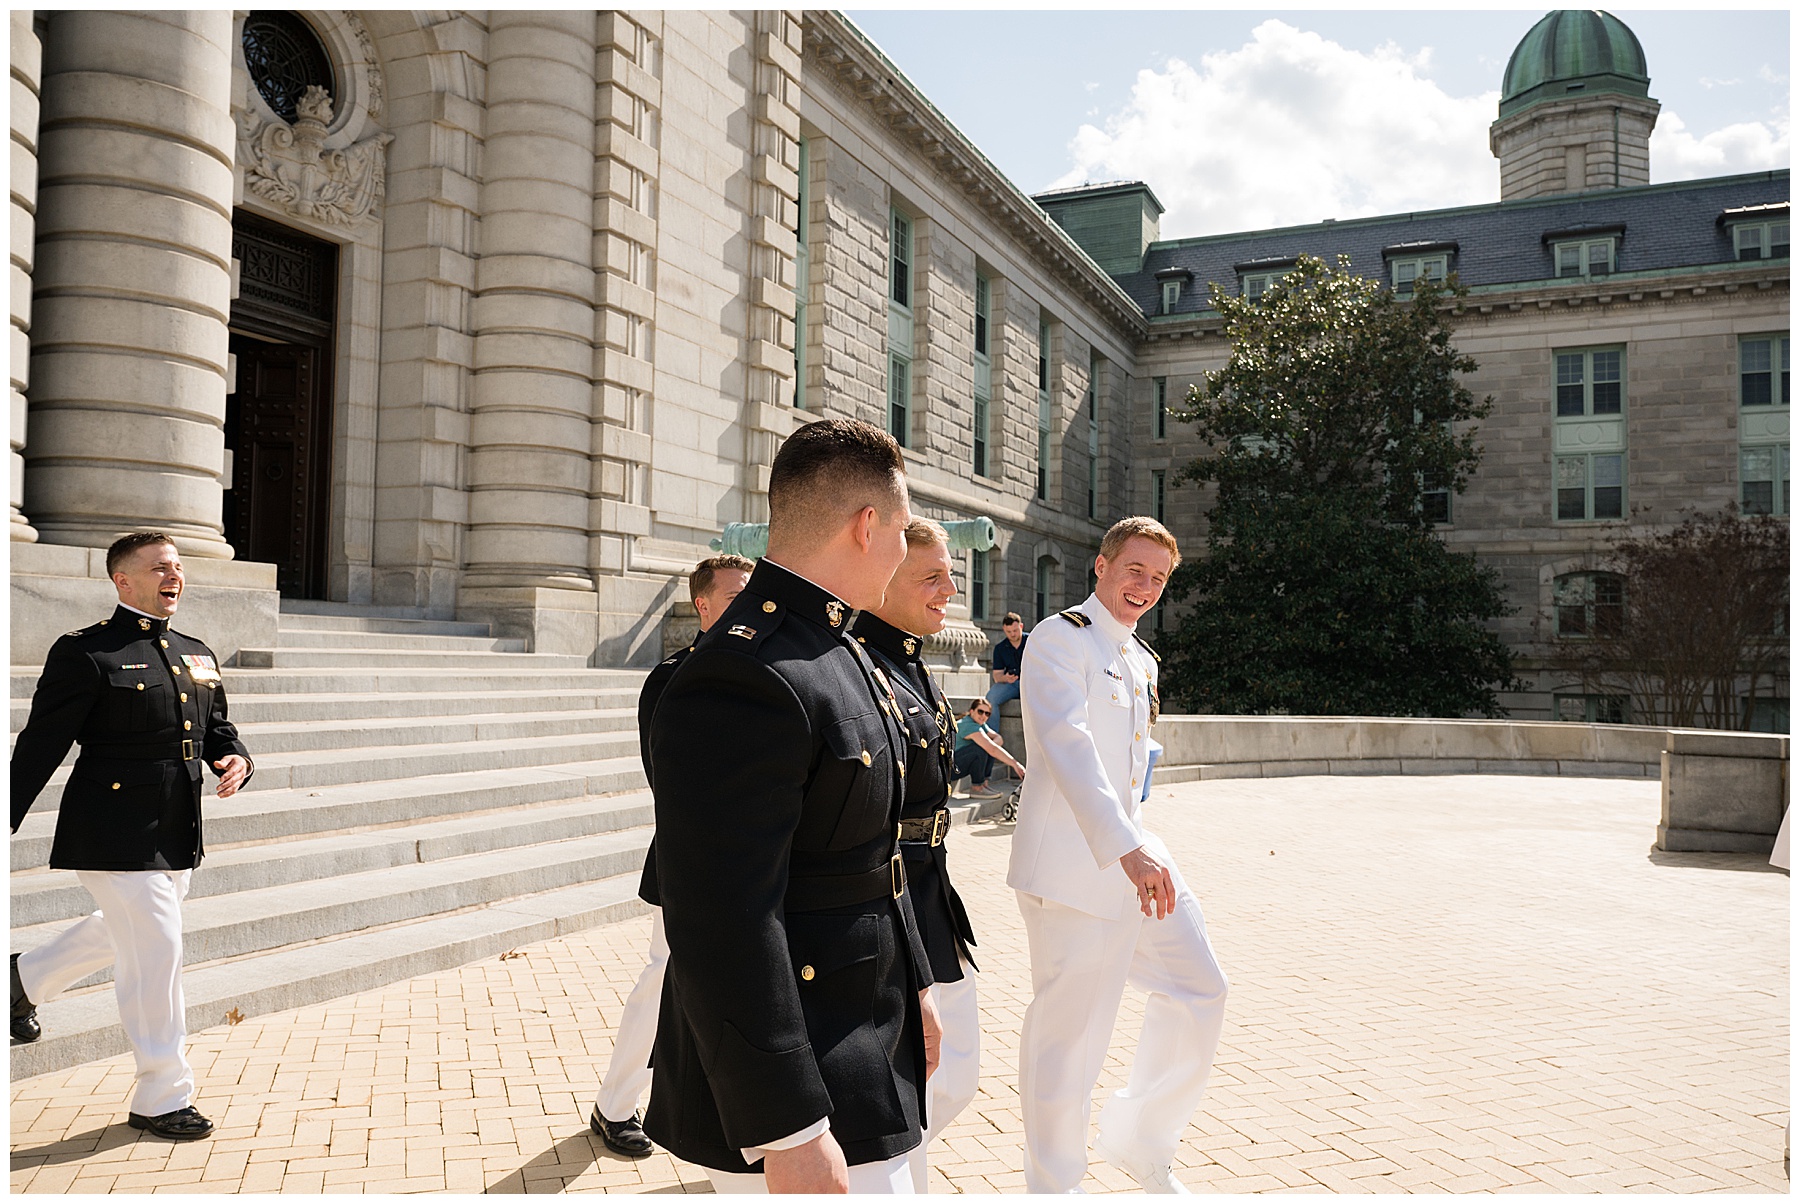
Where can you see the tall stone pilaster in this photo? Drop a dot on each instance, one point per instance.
(532, 393)
(27, 69)
(132, 283)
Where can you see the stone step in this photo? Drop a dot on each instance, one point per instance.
(395, 641)
(250, 709)
(421, 658)
(45, 896)
(318, 608)
(318, 735)
(265, 816)
(83, 1026)
(441, 680)
(267, 918)
(296, 621)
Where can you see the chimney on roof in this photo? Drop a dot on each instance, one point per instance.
(1115, 223)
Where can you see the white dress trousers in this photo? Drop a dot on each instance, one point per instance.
(137, 931)
(891, 1177)
(628, 1073)
(958, 1074)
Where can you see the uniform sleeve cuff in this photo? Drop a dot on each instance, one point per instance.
(822, 1125)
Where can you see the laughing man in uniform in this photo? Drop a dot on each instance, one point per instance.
(147, 705)
(1101, 898)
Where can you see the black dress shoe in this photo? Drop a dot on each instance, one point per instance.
(183, 1124)
(625, 1137)
(25, 1026)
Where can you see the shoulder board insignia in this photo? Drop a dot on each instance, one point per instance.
(1076, 617)
(742, 632)
(1147, 648)
(671, 660)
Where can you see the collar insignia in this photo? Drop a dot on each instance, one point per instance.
(741, 631)
(144, 624)
(834, 611)
(911, 645)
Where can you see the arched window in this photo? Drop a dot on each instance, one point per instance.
(1589, 605)
(285, 57)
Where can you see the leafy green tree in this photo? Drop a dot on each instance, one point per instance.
(1325, 589)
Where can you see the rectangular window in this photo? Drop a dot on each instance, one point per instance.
(978, 585)
(1434, 499)
(1258, 283)
(1158, 493)
(802, 282)
(1041, 592)
(1409, 271)
(1763, 371)
(1591, 708)
(1171, 293)
(1763, 475)
(900, 253)
(1761, 240)
(983, 365)
(1763, 424)
(1159, 408)
(1043, 422)
(1093, 437)
(1585, 257)
(1590, 383)
(1590, 487)
(899, 397)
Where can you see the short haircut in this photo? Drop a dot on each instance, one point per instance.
(123, 547)
(701, 579)
(1149, 528)
(1012, 616)
(828, 471)
(923, 533)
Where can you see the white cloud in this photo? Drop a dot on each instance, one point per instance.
(1676, 154)
(1292, 128)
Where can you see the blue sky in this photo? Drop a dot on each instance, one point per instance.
(1242, 120)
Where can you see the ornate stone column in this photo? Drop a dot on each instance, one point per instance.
(133, 279)
(532, 397)
(27, 69)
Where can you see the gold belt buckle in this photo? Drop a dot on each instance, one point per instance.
(187, 750)
(940, 827)
(897, 874)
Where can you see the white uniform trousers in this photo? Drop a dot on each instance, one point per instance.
(892, 1177)
(137, 931)
(628, 1073)
(1079, 967)
(959, 1065)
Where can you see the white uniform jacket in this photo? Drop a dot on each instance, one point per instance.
(1086, 692)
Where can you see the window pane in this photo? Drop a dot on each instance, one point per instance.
(1606, 366)
(1607, 398)
(1759, 497)
(1757, 463)
(1609, 503)
(1778, 240)
(1434, 268)
(1570, 397)
(1571, 503)
(1749, 242)
(1568, 259)
(1609, 470)
(897, 398)
(1599, 258)
(1571, 472)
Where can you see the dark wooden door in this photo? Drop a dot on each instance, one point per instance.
(275, 426)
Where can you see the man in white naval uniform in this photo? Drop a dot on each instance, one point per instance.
(1101, 898)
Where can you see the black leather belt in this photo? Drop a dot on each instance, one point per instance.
(928, 831)
(823, 891)
(183, 750)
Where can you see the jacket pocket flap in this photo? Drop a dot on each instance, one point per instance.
(828, 943)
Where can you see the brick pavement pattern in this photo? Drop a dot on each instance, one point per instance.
(1438, 984)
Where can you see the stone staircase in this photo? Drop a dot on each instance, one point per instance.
(425, 795)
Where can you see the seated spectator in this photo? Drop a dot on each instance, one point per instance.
(1009, 654)
(978, 746)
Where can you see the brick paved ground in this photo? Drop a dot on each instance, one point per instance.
(1438, 984)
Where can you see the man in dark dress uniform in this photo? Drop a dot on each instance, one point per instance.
(915, 607)
(148, 707)
(712, 585)
(797, 1030)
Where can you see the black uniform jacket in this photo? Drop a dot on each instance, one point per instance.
(654, 685)
(930, 730)
(148, 707)
(795, 965)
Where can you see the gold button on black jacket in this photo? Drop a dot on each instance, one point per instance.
(778, 793)
(148, 707)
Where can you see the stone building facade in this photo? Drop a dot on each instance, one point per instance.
(502, 315)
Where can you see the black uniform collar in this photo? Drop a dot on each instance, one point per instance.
(901, 647)
(798, 596)
(131, 620)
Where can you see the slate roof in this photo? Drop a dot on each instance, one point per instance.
(1666, 226)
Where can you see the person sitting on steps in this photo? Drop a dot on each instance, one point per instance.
(978, 746)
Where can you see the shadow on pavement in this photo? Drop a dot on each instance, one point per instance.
(1754, 863)
(74, 1149)
(565, 1160)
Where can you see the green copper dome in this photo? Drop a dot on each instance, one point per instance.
(1571, 53)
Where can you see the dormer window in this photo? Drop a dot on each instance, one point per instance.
(1257, 276)
(1173, 282)
(1760, 240)
(1258, 283)
(1587, 257)
(1407, 272)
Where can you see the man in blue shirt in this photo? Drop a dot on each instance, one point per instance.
(1009, 653)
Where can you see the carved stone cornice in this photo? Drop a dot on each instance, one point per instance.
(836, 53)
(290, 166)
